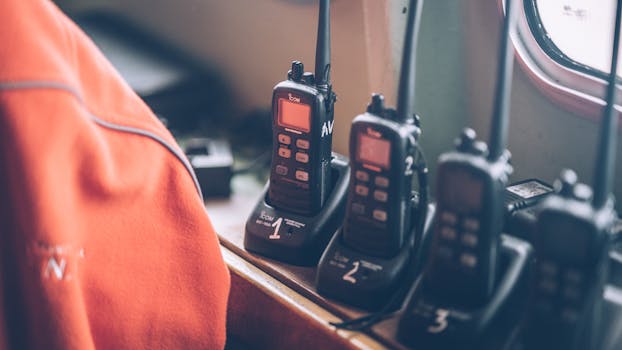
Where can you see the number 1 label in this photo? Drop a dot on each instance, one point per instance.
(277, 226)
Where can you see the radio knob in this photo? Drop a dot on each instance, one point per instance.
(566, 183)
(466, 140)
(297, 70)
(467, 143)
(308, 78)
(376, 106)
(582, 192)
(479, 148)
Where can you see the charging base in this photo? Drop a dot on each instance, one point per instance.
(294, 238)
(212, 162)
(365, 281)
(432, 323)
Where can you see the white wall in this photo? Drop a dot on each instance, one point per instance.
(253, 42)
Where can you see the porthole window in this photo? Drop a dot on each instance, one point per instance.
(575, 33)
(565, 46)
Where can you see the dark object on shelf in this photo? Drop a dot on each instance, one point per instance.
(433, 322)
(294, 238)
(521, 201)
(212, 163)
(186, 93)
(369, 281)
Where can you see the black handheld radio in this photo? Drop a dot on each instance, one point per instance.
(376, 252)
(384, 152)
(572, 241)
(463, 260)
(302, 124)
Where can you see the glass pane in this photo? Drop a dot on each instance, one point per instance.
(578, 33)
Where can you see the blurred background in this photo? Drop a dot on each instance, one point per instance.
(228, 55)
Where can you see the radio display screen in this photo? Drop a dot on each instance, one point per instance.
(462, 189)
(374, 151)
(294, 115)
(566, 238)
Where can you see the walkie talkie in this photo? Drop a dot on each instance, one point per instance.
(302, 124)
(572, 241)
(383, 148)
(377, 249)
(471, 180)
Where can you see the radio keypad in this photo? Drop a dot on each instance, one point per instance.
(285, 152)
(281, 170)
(362, 176)
(377, 202)
(284, 139)
(381, 181)
(381, 196)
(302, 157)
(448, 233)
(302, 175)
(469, 240)
(559, 292)
(358, 208)
(458, 233)
(296, 167)
(380, 215)
(302, 143)
(470, 224)
(449, 218)
(469, 260)
(361, 190)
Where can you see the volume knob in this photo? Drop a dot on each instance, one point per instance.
(566, 183)
(376, 106)
(297, 70)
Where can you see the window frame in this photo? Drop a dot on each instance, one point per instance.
(548, 45)
(574, 86)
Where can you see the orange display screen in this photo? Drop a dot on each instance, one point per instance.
(294, 115)
(374, 151)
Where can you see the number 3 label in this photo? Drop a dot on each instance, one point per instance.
(277, 226)
(441, 321)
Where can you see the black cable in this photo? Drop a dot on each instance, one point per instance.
(369, 320)
(422, 178)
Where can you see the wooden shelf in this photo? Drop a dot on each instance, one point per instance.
(285, 283)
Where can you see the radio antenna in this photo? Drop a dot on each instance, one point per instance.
(322, 49)
(500, 116)
(605, 159)
(406, 87)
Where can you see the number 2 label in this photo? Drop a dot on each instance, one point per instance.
(409, 165)
(348, 276)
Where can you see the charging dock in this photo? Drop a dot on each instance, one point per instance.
(430, 322)
(294, 238)
(365, 281)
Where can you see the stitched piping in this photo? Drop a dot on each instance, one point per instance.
(25, 85)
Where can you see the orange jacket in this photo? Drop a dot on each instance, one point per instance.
(104, 240)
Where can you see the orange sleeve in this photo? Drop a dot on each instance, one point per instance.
(105, 242)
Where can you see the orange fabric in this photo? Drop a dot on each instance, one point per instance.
(104, 240)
